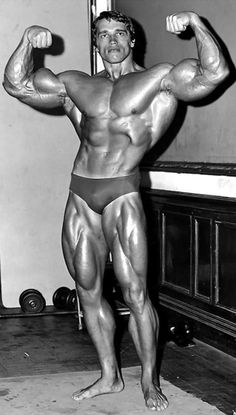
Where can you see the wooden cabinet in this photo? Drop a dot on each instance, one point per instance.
(194, 239)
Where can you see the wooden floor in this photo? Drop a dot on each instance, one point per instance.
(53, 344)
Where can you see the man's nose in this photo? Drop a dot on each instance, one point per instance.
(113, 39)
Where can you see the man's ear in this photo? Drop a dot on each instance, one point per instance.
(132, 43)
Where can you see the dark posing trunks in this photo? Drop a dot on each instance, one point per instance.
(98, 193)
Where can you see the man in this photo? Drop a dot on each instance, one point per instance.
(125, 110)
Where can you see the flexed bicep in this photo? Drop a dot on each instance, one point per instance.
(44, 89)
(193, 79)
(187, 82)
(39, 88)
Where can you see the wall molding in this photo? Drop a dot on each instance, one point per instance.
(219, 169)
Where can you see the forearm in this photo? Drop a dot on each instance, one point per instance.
(212, 62)
(19, 67)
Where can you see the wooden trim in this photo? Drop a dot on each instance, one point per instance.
(202, 316)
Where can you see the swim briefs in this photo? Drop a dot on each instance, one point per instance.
(98, 193)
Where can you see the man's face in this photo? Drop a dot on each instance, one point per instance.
(113, 41)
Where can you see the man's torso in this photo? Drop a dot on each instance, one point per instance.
(120, 120)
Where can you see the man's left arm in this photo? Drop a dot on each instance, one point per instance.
(193, 79)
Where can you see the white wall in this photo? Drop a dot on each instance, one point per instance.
(200, 184)
(208, 131)
(36, 155)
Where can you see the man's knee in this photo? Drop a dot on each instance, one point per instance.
(89, 296)
(135, 298)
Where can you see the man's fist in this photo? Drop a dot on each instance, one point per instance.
(177, 23)
(39, 37)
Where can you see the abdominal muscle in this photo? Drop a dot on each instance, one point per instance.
(112, 153)
(102, 163)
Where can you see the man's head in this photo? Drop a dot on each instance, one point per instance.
(118, 17)
(113, 36)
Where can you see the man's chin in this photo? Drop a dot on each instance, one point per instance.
(114, 55)
(114, 59)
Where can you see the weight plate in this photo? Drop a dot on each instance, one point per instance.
(71, 300)
(32, 301)
(60, 296)
(28, 291)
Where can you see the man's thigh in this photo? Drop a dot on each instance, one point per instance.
(84, 246)
(124, 226)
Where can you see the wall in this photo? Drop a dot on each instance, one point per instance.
(208, 132)
(36, 154)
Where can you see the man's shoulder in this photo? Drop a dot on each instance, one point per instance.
(161, 69)
(155, 73)
(73, 75)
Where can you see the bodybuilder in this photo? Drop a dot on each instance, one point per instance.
(118, 114)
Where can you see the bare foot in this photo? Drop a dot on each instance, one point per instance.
(99, 387)
(154, 399)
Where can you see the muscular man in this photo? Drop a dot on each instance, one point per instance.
(125, 110)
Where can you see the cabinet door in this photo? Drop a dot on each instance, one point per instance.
(176, 250)
(226, 265)
(203, 258)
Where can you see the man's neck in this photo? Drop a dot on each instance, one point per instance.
(116, 70)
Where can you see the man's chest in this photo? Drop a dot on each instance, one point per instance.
(103, 98)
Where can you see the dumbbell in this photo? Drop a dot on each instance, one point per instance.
(65, 299)
(181, 333)
(32, 301)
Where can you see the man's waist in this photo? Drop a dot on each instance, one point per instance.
(103, 174)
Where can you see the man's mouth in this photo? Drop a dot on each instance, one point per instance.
(113, 50)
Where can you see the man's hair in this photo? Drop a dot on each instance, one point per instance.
(113, 15)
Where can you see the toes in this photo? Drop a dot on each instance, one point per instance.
(151, 404)
(80, 395)
(76, 396)
(156, 401)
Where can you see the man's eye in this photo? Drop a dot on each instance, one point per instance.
(121, 33)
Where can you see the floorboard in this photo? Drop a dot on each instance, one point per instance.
(53, 344)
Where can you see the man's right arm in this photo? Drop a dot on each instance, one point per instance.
(41, 88)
